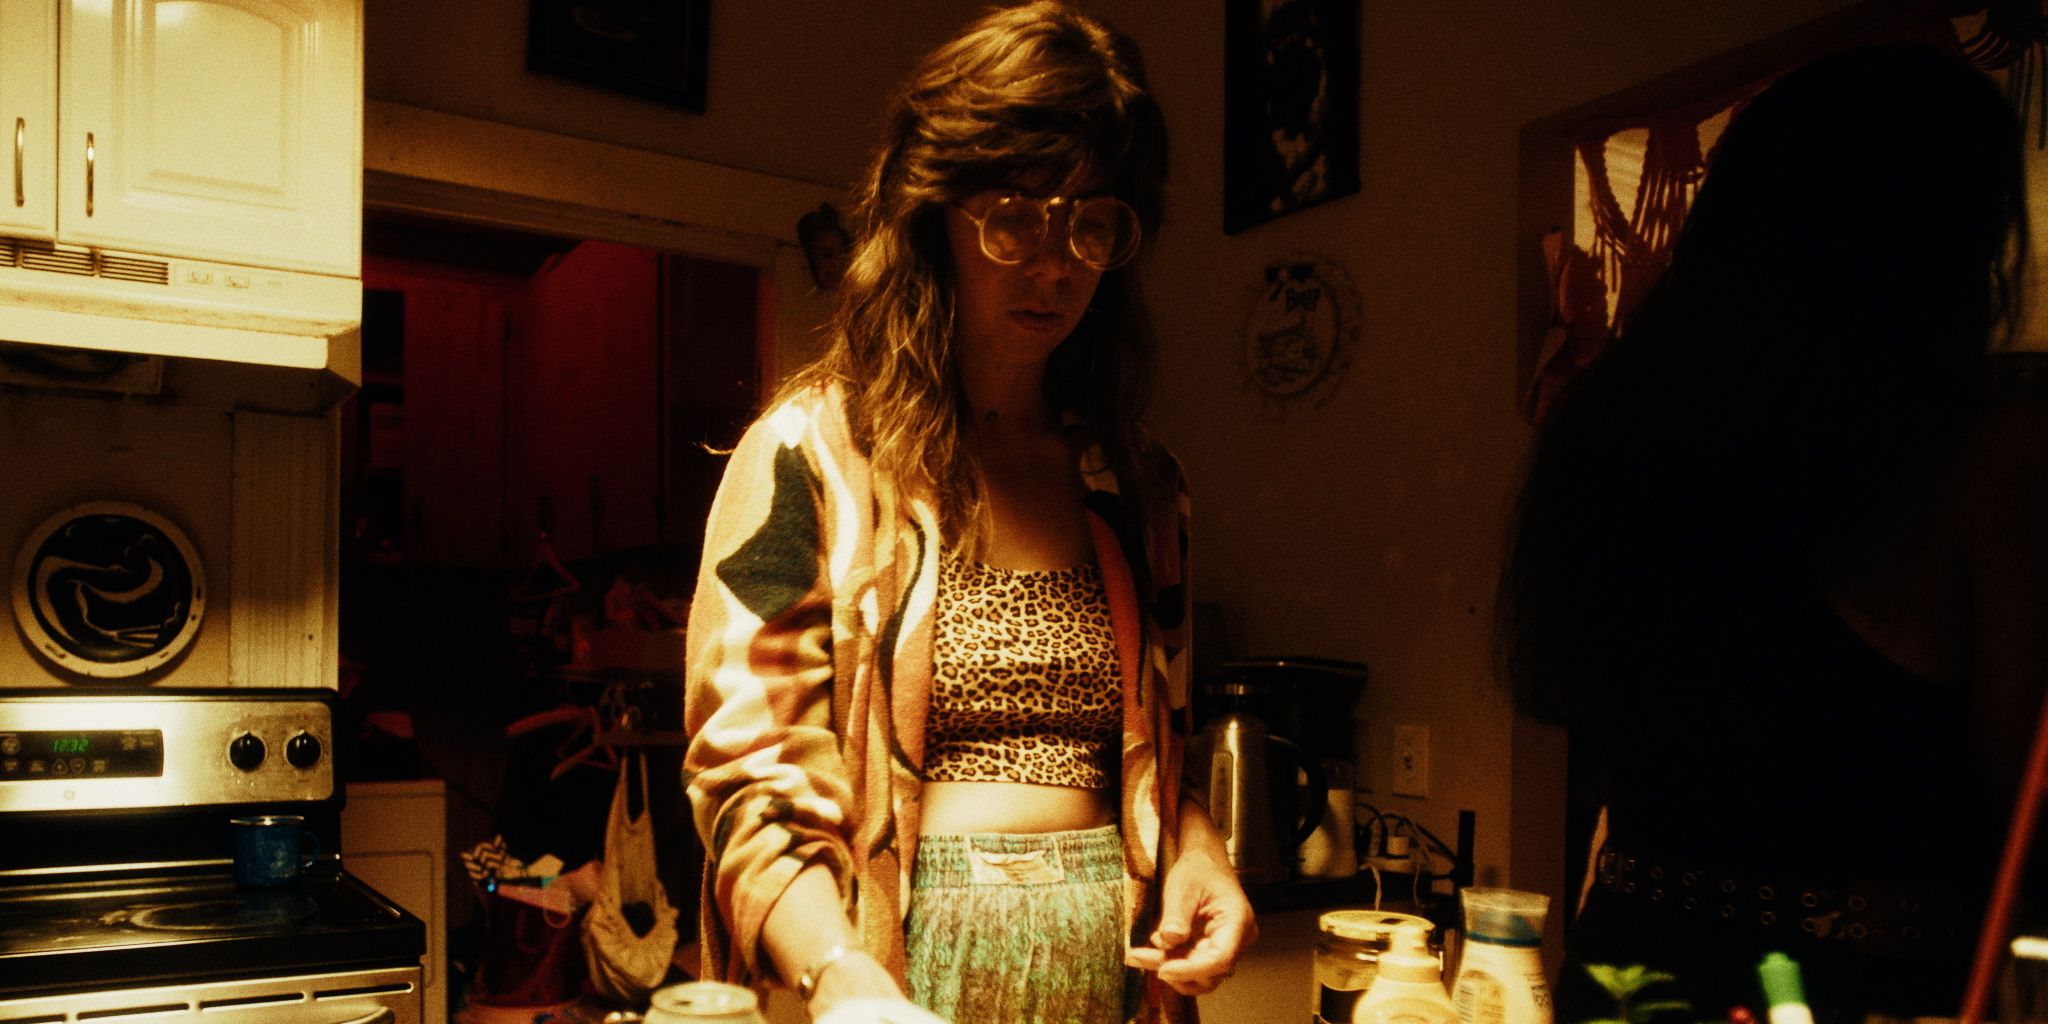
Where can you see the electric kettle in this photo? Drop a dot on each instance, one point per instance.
(1239, 756)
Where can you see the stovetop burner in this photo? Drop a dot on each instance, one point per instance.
(76, 933)
(256, 913)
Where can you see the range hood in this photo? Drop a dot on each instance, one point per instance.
(303, 327)
(124, 302)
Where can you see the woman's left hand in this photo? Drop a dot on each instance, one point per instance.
(1205, 923)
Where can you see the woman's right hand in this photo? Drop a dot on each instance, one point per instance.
(807, 935)
(856, 979)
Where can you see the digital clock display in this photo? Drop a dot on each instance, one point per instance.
(72, 755)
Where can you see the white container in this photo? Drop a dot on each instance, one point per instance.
(1500, 976)
(1410, 985)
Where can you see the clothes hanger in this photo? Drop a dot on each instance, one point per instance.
(547, 578)
(543, 719)
(594, 752)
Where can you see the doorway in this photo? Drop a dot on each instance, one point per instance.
(524, 479)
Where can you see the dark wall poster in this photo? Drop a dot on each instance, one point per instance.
(1290, 119)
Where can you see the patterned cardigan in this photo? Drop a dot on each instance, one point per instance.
(809, 672)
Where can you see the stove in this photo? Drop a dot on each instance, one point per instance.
(117, 895)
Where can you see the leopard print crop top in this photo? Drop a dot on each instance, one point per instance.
(1026, 681)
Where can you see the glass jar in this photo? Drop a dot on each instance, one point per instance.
(1348, 958)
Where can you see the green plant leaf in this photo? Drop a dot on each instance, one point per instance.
(1656, 1006)
(1609, 977)
(1623, 982)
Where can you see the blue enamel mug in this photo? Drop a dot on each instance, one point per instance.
(271, 849)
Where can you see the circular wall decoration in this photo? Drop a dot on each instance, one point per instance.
(108, 589)
(1301, 330)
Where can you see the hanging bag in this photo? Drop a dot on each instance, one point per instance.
(626, 964)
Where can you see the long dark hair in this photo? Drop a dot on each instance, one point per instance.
(1813, 353)
(1035, 89)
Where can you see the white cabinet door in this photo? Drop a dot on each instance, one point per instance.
(227, 130)
(28, 118)
(394, 837)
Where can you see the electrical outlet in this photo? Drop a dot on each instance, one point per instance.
(1411, 761)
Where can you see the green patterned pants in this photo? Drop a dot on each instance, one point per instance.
(1022, 929)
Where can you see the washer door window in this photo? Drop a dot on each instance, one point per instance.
(108, 590)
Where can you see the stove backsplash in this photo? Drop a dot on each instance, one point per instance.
(247, 497)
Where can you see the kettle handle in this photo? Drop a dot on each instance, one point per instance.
(1318, 784)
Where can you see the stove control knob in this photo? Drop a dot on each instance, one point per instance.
(303, 750)
(246, 752)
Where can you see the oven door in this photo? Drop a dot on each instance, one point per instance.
(381, 996)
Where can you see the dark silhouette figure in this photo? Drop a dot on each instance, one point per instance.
(1780, 565)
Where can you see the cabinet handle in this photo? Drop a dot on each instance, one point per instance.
(88, 173)
(20, 134)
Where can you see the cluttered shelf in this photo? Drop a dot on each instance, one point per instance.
(1428, 885)
(1430, 895)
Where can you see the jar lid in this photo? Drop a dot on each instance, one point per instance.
(1504, 917)
(704, 1000)
(1368, 925)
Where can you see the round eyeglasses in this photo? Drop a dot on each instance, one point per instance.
(1102, 231)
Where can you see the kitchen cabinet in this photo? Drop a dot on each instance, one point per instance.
(394, 837)
(223, 130)
(28, 116)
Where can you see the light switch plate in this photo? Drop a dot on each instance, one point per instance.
(1411, 761)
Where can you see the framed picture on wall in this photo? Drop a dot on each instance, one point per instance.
(1290, 98)
(650, 48)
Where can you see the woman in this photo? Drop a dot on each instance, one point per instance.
(938, 664)
(1778, 560)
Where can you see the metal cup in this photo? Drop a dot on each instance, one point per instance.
(271, 849)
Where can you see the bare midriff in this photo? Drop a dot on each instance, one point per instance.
(953, 808)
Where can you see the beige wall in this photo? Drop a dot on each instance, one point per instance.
(795, 87)
(1367, 528)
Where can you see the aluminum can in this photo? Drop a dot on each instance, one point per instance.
(697, 1002)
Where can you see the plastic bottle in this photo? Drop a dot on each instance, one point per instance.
(1410, 985)
(1784, 990)
(1348, 959)
(1500, 978)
